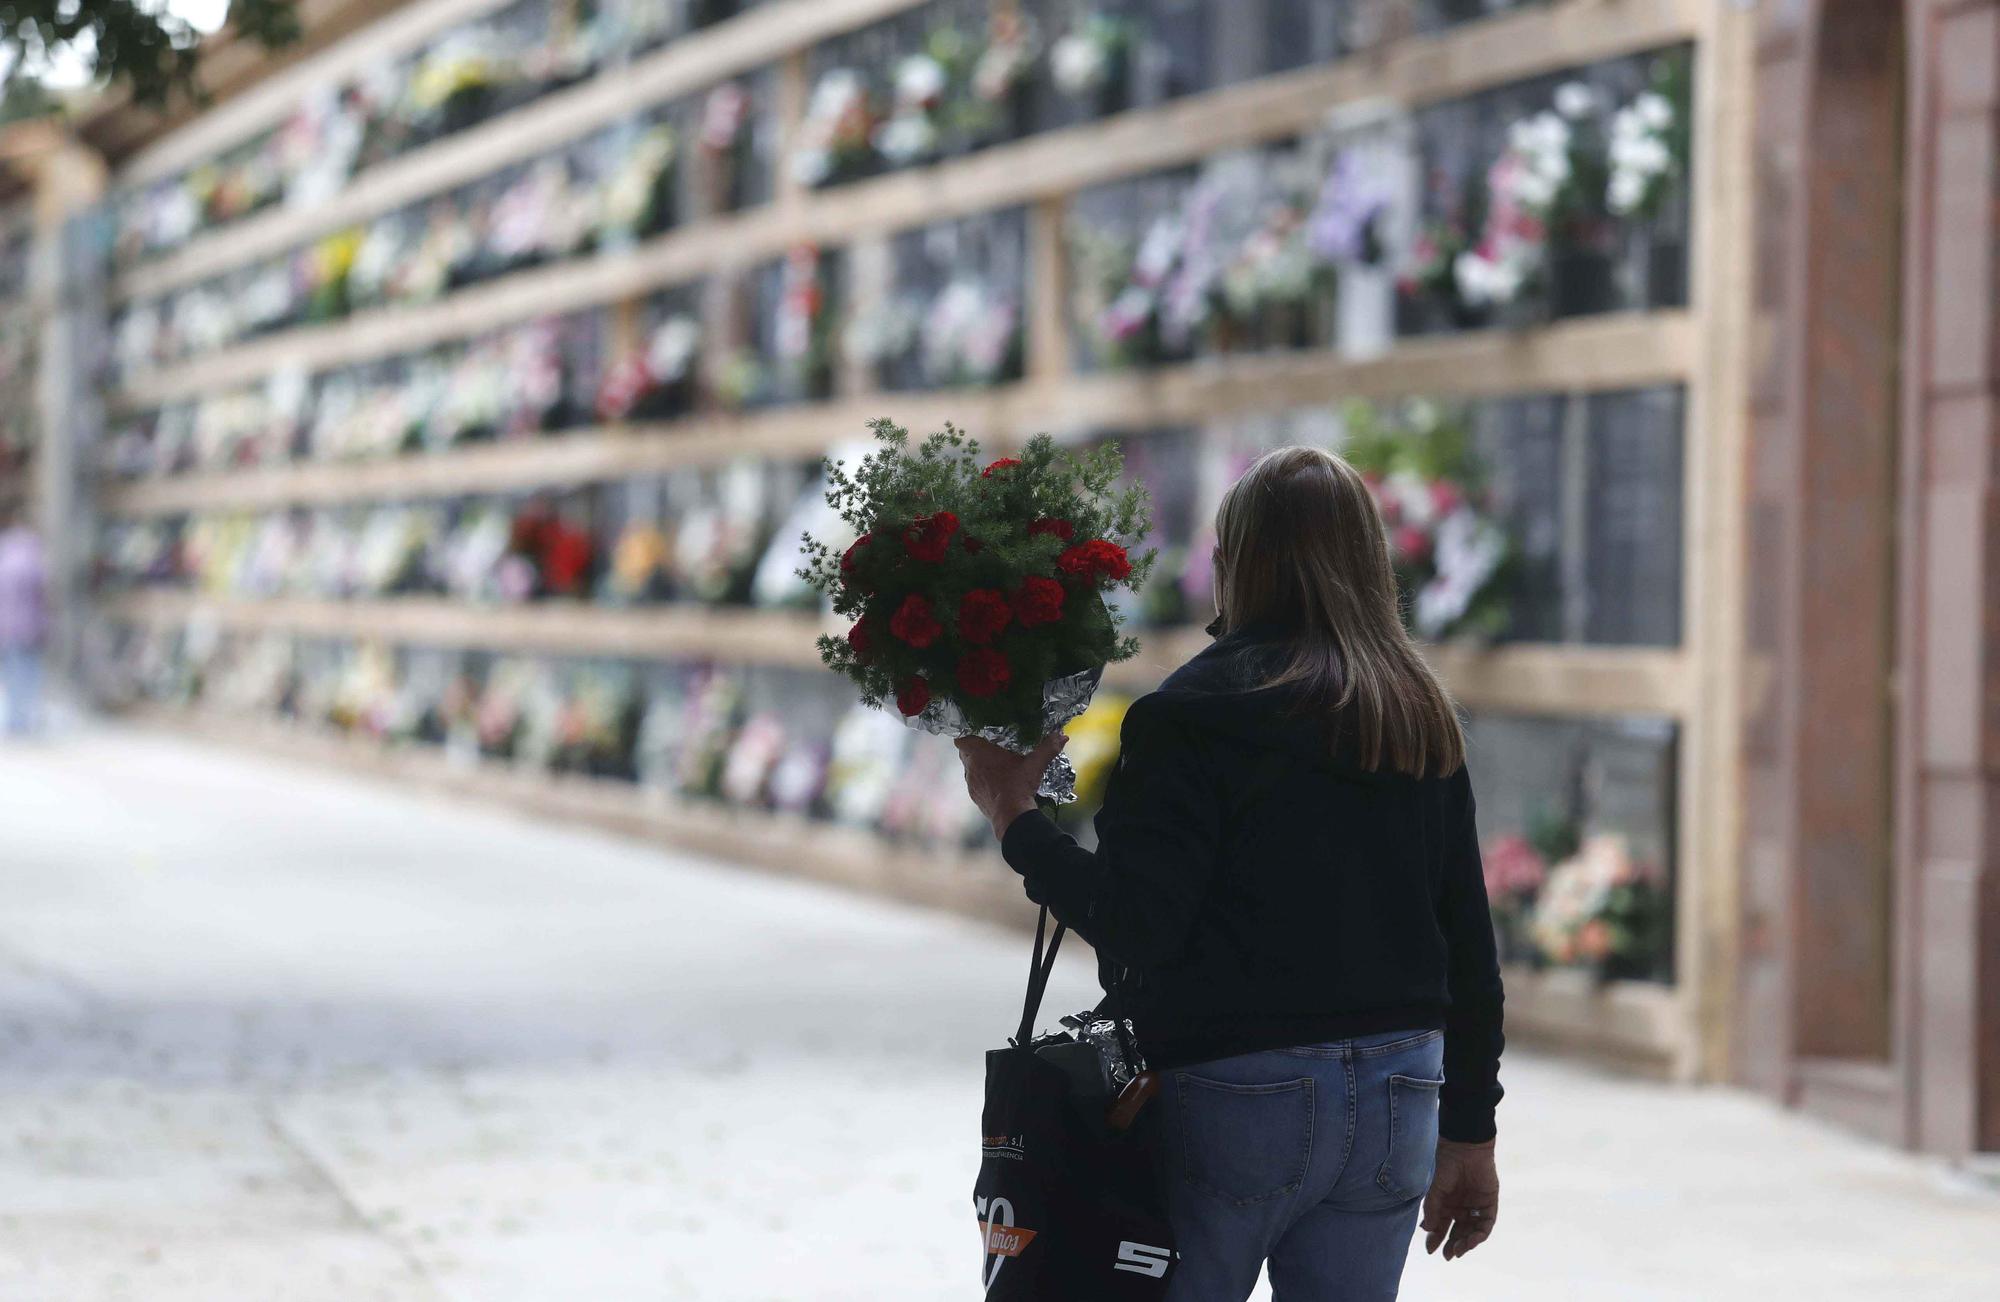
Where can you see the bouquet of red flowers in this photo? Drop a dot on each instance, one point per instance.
(977, 589)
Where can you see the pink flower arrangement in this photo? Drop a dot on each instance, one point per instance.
(1514, 870)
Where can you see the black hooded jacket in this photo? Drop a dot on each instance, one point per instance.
(1263, 892)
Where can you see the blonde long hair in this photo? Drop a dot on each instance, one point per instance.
(1300, 547)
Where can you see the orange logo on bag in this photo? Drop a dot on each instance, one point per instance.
(1007, 1240)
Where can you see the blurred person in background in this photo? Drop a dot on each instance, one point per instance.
(24, 621)
(1287, 893)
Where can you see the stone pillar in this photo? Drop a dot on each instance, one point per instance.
(1948, 772)
(66, 289)
(1822, 497)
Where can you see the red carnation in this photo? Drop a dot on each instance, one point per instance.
(530, 532)
(929, 536)
(853, 550)
(1038, 601)
(912, 695)
(1094, 559)
(982, 614)
(984, 672)
(914, 623)
(1062, 529)
(1004, 463)
(859, 640)
(566, 556)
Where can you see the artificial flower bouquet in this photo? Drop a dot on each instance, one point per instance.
(1451, 554)
(1606, 911)
(977, 589)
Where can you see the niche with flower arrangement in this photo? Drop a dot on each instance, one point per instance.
(657, 374)
(779, 332)
(1576, 818)
(1559, 197)
(948, 306)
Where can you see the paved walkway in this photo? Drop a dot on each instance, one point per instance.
(268, 1034)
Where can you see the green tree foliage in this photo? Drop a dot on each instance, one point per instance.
(141, 44)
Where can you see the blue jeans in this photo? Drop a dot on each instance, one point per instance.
(21, 678)
(1315, 1158)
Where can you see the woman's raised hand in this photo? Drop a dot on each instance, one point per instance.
(1002, 783)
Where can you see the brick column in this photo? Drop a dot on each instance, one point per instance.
(1949, 756)
(1822, 488)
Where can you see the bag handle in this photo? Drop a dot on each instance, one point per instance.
(1040, 967)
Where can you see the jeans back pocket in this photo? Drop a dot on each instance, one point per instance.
(1244, 1143)
(1413, 1137)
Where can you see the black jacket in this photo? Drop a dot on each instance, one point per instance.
(1264, 892)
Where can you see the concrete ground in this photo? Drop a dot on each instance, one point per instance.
(267, 1034)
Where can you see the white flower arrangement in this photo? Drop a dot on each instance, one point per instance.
(920, 82)
(1005, 61)
(906, 138)
(910, 134)
(882, 332)
(1576, 100)
(1541, 146)
(1275, 265)
(968, 333)
(1641, 158)
(1468, 549)
(671, 352)
(630, 191)
(1081, 60)
(837, 111)
(1159, 250)
(1522, 187)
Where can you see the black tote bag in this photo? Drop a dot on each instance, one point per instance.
(1070, 1209)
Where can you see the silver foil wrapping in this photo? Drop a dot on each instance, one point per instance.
(1062, 700)
(1102, 1033)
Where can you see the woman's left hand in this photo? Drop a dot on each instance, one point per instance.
(1003, 783)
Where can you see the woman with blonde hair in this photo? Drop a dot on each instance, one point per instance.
(1287, 889)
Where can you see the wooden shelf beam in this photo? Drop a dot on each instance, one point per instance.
(1624, 350)
(1457, 62)
(1527, 678)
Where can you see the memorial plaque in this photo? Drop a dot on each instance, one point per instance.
(1302, 32)
(1520, 440)
(1632, 544)
(1176, 50)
